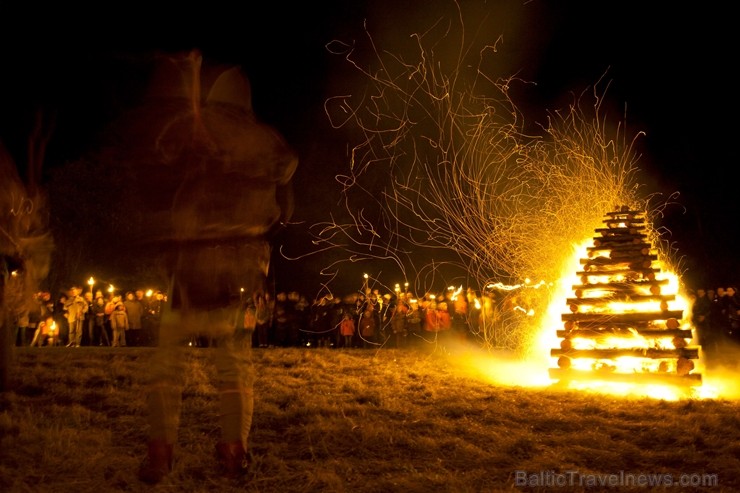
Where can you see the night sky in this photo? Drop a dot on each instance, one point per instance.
(669, 70)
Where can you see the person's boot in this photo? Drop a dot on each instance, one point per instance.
(233, 459)
(158, 462)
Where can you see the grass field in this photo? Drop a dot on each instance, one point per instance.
(356, 421)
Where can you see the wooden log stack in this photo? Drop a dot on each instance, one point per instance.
(620, 268)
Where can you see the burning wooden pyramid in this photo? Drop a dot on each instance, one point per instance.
(620, 327)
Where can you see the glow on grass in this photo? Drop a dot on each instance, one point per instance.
(502, 368)
(663, 392)
(497, 367)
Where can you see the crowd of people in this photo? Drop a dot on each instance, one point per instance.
(77, 319)
(365, 320)
(715, 313)
(360, 320)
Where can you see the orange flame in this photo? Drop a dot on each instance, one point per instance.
(631, 341)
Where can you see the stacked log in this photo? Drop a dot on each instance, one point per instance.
(620, 268)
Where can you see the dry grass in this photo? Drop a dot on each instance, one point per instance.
(336, 421)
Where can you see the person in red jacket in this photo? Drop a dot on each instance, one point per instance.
(444, 320)
(347, 329)
(368, 326)
(431, 319)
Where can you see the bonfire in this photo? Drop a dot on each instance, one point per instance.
(625, 322)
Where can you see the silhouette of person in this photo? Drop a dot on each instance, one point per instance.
(230, 193)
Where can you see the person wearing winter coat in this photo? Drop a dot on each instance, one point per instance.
(347, 329)
(75, 308)
(368, 327)
(119, 325)
(398, 322)
(219, 185)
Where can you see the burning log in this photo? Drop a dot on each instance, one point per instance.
(621, 297)
(637, 325)
(636, 261)
(620, 286)
(651, 353)
(624, 210)
(564, 362)
(627, 273)
(605, 318)
(623, 231)
(618, 245)
(622, 254)
(616, 223)
(619, 240)
(626, 332)
(684, 366)
(587, 302)
(679, 342)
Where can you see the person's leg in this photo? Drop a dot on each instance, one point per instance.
(72, 334)
(105, 340)
(236, 399)
(78, 335)
(90, 332)
(36, 338)
(205, 293)
(164, 401)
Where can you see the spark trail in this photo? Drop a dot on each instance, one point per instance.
(444, 168)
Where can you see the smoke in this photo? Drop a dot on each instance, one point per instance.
(721, 376)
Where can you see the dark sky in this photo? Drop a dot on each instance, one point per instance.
(669, 66)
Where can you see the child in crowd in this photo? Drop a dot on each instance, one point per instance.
(46, 333)
(347, 329)
(119, 325)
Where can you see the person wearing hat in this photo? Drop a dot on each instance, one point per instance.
(75, 308)
(215, 217)
(119, 325)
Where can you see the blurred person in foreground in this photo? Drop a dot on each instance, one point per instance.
(26, 244)
(218, 186)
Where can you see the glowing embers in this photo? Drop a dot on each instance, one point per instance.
(624, 320)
